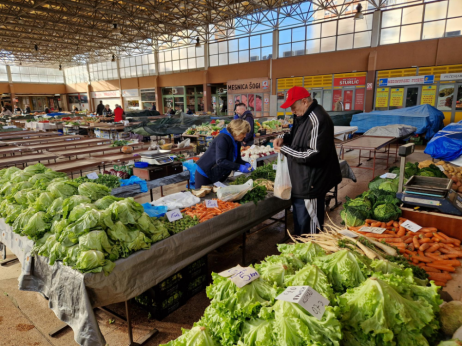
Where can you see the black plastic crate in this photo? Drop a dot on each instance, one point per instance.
(196, 285)
(160, 306)
(195, 269)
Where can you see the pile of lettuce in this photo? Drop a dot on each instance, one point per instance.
(371, 303)
(81, 225)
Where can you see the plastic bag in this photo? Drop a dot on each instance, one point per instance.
(282, 184)
(234, 192)
(191, 166)
(178, 200)
(152, 211)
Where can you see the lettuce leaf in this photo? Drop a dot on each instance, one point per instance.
(63, 189)
(307, 252)
(106, 201)
(37, 225)
(94, 191)
(314, 277)
(44, 201)
(73, 201)
(95, 240)
(197, 336)
(127, 211)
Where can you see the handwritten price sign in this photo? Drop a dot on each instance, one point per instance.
(211, 203)
(92, 176)
(241, 276)
(174, 215)
(230, 272)
(306, 297)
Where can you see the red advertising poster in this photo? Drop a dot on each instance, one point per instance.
(359, 100)
(350, 81)
(347, 100)
(337, 94)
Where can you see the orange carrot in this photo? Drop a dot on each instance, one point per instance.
(433, 248)
(371, 221)
(428, 229)
(411, 247)
(423, 259)
(390, 223)
(376, 224)
(450, 255)
(395, 224)
(442, 240)
(401, 231)
(402, 219)
(409, 241)
(433, 256)
(428, 235)
(442, 267)
(424, 247)
(416, 242)
(425, 240)
(430, 269)
(453, 263)
(440, 283)
(440, 276)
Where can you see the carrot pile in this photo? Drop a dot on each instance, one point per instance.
(203, 213)
(429, 249)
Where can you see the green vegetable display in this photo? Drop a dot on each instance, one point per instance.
(263, 172)
(108, 180)
(257, 194)
(179, 225)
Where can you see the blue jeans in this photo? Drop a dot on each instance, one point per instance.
(201, 180)
(302, 220)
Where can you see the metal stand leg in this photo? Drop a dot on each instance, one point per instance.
(3, 251)
(58, 330)
(152, 196)
(161, 191)
(244, 237)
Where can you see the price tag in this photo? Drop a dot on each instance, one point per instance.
(211, 203)
(174, 215)
(348, 233)
(413, 227)
(244, 276)
(92, 176)
(376, 230)
(230, 272)
(131, 162)
(252, 146)
(219, 184)
(440, 167)
(275, 167)
(306, 297)
(389, 176)
(237, 173)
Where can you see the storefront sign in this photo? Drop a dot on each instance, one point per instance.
(450, 76)
(396, 97)
(105, 94)
(244, 86)
(130, 92)
(369, 86)
(359, 99)
(445, 97)
(381, 100)
(428, 95)
(266, 100)
(430, 79)
(350, 81)
(347, 99)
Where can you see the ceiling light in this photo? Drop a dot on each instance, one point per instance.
(198, 43)
(115, 30)
(359, 14)
(113, 58)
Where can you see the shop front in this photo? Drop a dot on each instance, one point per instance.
(79, 100)
(185, 97)
(335, 92)
(438, 86)
(110, 98)
(148, 98)
(131, 99)
(254, 93)
(220, 99)
(38, 103)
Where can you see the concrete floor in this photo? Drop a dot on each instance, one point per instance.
(25, 319)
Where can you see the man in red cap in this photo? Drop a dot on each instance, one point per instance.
(314, 168)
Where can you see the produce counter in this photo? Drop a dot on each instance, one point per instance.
(136, 273)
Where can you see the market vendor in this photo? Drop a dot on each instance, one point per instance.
(223, 155)
(17, 109)
(107, 111)
(27, 110)
(314, 168)
(244, 114)
(6, 112)
(118, 114)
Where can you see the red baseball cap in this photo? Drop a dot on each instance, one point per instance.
(294, 94)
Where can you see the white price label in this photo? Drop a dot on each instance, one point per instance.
(275, 167)
(237, 173)
(230, 272)
(440, 167)
(219, 184)
(376, 230)
(211, 203)
(389, 176)
(92, 176)
(306, 297)
(348, 233)
(131, 162)
(174, 215)
(252, 147)
(413, 227)
(244, 276)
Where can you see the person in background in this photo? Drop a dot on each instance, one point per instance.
(338, 107)
(8, 107)
(17, 109)
(47, 110)
(314, 167)
(107, 111)
(75, 109)
(6, 112)
(100, 108)
(244, 114)
(178, 110)
(190, 112)
(223, 155)
(118, 114)
(27, 110)
(170, 111)
(154, 109)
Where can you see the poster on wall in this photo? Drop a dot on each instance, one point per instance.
(337, 94)
(133, 103)
(445, 97)
(396, 97)
(347, 99)
(381, 100)
(359, 99)
(428, 95)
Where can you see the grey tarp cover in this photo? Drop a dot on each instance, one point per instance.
(347, 172)
(73, 295)
(397, 131)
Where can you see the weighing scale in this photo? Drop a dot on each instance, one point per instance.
(155, 157)
(430, 192)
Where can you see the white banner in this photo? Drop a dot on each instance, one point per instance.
(451, 76)
(105, 94)
(130, 92)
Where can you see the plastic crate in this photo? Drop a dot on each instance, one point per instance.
(195, 269)
(160, 306)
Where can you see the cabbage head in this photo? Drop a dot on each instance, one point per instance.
(354, 216)
(94, 191)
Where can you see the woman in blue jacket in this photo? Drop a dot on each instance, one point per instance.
(223, 155)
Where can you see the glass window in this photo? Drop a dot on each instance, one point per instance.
(391, 18)
(234, 58)
(255, 54)
(233, 45)
(244, 43)
(192, 63)
(390, 35)
(266, 53)
(284, 36)
(213, 48)
(200, 62)
(362, 39)
(312, 46)
(267, 40)
(454, 25)
(298, 34)
(175, 54)
(435, 10)
(176, 65)
(345, 42)
(455, 8)
(365, 24)
(328, 44)
(313, 31)
(412, 96)
(183, 53)
(168, 55)
(329, 29)
(327, 100)
(243, 56)
(298, 48)
(410, 32)
(214, 60)
(412, 14)
(433, 29)
(223, 59)
(255, 41)
(346, 26)
(445, 97)
(285, 50)
(223, 46)
(458, 98)
(184, 64)
(200, 51)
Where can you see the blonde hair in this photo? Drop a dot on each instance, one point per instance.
(238, 127)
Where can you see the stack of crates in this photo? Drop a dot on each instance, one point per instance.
(172, 293)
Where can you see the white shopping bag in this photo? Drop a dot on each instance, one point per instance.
(282, 184)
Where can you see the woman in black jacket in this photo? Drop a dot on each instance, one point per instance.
(223, 155)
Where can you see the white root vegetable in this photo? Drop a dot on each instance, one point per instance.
(387, 249)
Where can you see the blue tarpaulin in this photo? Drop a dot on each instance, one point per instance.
(426, 118)
(446, 144)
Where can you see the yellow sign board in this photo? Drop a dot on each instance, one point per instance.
(428, 95)
(381, 100)
(396, 97)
